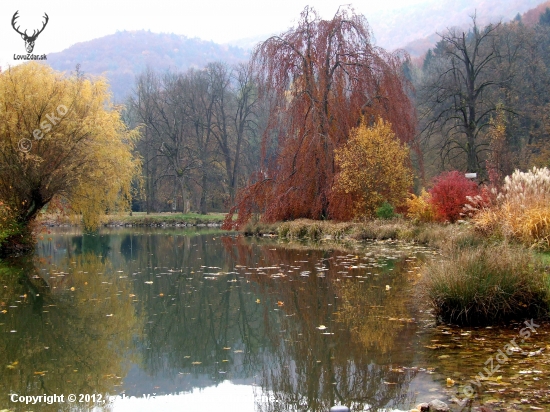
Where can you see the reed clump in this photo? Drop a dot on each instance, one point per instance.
(487, 284)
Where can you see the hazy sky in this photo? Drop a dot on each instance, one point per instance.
(73, 21)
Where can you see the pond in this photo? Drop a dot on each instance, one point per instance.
(138, 319)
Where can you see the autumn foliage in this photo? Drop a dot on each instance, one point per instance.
(374, 168)
(319, 79)
(61, 137)
(521, 209)
(449, 195)
(421, 208)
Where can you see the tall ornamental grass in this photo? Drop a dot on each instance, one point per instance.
(521, 211)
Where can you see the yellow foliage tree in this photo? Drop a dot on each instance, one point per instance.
(374, 167)
(61, 136)
(420, 208)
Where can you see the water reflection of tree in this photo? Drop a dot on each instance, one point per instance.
(196, 321)
(353, 360)
(192, 316)
(72, 334)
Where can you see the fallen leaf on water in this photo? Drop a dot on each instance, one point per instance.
(450, 382)
(535, 353)
(12, 365)
(321, 327)
(280, 303)
(257, 300)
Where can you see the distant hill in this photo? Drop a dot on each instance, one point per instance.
(532, 16)
(414, 28)
(121, 56)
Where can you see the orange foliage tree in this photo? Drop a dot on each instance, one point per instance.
(319, 78)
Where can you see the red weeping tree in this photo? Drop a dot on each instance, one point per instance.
(319, 79)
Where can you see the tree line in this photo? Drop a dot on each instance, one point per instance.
(262, 137)
(482, 97)
(199, 136)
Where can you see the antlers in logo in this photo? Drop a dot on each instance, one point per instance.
(29, 40)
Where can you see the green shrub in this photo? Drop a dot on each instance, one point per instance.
(487, 284)
(385, 211)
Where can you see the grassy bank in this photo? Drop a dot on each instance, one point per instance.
(487, 284)
(475, 280)
(141, 219)
(430, 234)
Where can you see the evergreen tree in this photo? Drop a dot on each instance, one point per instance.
(544, 19)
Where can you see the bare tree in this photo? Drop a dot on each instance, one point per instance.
(460, 93)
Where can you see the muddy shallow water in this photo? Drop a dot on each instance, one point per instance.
(205, 320)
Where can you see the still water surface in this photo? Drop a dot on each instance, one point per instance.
(205, 320)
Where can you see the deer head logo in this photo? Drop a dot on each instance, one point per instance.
(29, 40)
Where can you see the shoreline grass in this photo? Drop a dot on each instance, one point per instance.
(140, 219)
(487, 284)
(429, 234)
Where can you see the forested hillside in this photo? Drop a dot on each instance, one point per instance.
(121, 56)
(482, 97)
(415, 27)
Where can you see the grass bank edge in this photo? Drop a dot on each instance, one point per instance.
(139, 219)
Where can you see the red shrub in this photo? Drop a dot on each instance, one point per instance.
(449, 192)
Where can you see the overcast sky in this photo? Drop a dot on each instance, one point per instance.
(222, 21)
